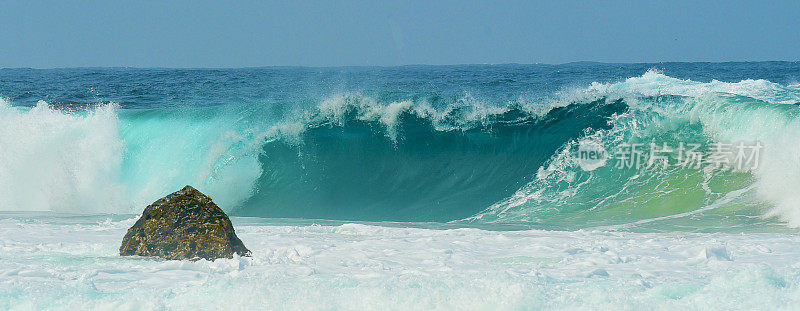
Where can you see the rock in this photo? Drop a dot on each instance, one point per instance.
(183, 225)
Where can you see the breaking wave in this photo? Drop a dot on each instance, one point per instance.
(352, 157)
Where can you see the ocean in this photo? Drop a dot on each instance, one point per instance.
(467, 187)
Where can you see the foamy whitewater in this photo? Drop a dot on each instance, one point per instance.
(444, 187)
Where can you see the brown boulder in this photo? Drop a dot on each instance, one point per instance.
(183, 225)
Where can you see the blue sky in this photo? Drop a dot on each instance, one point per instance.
(327, 33)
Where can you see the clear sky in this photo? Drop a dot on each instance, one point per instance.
(332, 33)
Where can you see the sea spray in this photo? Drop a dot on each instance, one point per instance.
(52, 160)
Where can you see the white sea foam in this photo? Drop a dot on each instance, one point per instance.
(467, 112)
(92, 162)
(53, 161)
(655, 83)
(61, 265)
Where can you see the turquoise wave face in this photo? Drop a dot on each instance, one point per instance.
(424, 159)
(365, 161)
(349, 166)
(423, 174)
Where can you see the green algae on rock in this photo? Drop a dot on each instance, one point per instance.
(183, 225)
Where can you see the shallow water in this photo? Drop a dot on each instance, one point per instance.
(72, 262)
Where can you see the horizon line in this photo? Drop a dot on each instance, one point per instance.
(406, 65)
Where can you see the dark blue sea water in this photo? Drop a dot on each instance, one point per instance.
(465, 144)
(497, 84)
